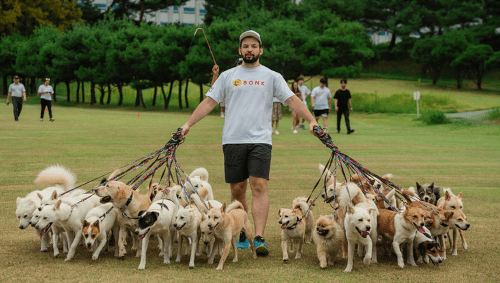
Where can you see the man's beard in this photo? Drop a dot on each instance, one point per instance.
(251, 60)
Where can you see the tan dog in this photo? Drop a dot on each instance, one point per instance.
(227, 227)
(309, 217)
(452, 201)
(293, 228)
(328, 239)
(400, 228)
(129, 202)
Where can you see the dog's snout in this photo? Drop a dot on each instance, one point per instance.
(440, 260)
(368, 228)
(280, 222)
(89, 245)
(422, 224)
(175, 225)
(137, 232)
(468, 225)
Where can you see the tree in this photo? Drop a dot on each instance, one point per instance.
(26, 16)
(90, 13)
(475, 57)
(9, 46)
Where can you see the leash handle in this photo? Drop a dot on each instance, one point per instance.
(175, 138)
(324, 137)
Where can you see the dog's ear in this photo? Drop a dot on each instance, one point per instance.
(54, 195)
(210, 206)
(279, 212)
(85, 223)
(448, 215)
(447, 195)
(39, 196)
(432, 186)
(422, 247)
(203, 217)
(18, 200)
(460, 195)
(57, 206)
(96, 223)
(103, 181)
(223, 208)
(407, 198)
(372, 181)
(418, 186)
(350, 208)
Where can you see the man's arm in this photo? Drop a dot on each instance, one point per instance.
(312, 102)
(24, 96)
(199, 113)
(336, 105)
(350, 104)
(330, 104)
(8, 97)
(298, 107)
(215, 73)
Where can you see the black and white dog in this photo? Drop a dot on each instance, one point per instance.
(429, 193)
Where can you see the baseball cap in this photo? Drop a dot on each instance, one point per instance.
(47, 79)
(250, 33)
(15, 77)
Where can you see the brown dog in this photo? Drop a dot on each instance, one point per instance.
(328, 238)
(452, 201)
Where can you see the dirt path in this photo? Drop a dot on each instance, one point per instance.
(476, 117)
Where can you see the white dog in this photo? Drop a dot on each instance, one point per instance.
(187, 222)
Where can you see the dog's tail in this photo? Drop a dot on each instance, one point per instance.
(388, 176)
(327, 175)
(56, 175)
(197, 201)
(201, 172)
(302, 206)
(234, 205)
(344, 198)
(173, 194)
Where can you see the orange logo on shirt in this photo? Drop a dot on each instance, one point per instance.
(236, 82)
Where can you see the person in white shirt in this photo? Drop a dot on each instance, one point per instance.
(305, 93)
(248, 91)
(321, 102)
(45, 91)
(18, 94)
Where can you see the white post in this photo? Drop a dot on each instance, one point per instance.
(416, 96)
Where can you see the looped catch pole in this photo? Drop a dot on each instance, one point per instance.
(207, 42)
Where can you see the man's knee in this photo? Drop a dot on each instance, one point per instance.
(239, 189)
(258, 185)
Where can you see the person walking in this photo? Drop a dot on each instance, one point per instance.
(295, 118)
(247, 134)
(45, 91)
(18, 94)
(342, 99)
(305, 93)
(321, 102)
(277, 114)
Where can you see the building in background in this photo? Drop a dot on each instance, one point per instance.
(190, 14)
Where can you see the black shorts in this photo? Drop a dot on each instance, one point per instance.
(321, 113)
(244, 160)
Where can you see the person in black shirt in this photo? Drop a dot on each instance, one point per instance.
(342, 99)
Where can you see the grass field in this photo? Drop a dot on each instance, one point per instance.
(91, 142)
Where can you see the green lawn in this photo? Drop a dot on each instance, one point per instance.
(91, 142)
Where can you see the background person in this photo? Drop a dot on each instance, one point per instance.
(247, 134)
(46, 93)
(342, 98)
(18, 93)
(277, 114)
(305, 93)
(295, 118)
(321, 102)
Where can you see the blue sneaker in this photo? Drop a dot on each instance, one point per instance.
(260, 246)
(243, 242)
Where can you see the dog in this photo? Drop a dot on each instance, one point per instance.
(309, 217)
(358, 226)
(426, 248)
(400, 228)
(429, 193)
(198, 179)
(130, 203)
(227, 225)
(328, 239)
(452, 201)
(293, 227)
(99, 222)
(158, 219)
(187, 223)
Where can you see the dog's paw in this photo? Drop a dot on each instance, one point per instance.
(285, 260)
(67, 259)
(44, 250)
(141, 267)
(191, 266)
(210, 262)
(178, 259)
(367, 260)
(219, 268)
(95, 257)
(297, 256)
(167, 261)
(56, 255)
(454, 253)
(348, 269)
(464, 245)
(401, 264)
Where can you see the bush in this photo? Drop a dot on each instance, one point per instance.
(494, 115)
(434, 117)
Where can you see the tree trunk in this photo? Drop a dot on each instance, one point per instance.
(180, 94)
(5, 86)
(55, 96)
(77, 91)
(142, 99)
(33, 85)
(93, 100)
(201, 93)
(103, 93)
(120, 91)
(393, 41)
(186, 93)
(68, 92)
(169, 94)
(154, 95)
(83, 91)
(109, 94)
(164, 97)
(137, 98)
(142, 11)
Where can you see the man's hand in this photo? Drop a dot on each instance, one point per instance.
(8, 102)
(185, 131)
(336, 109)
(24, 99)
(215, 70)
(311, 128)
(351, 109)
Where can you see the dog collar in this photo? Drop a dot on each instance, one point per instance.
(294, 225)
(129, 200)
(442, 224)
(162, 205)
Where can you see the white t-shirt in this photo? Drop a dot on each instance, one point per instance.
(321, 95)
(16, 90)
(305, 92)
(248, 93)
(45, 88)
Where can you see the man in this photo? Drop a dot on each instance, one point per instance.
(305, 93)
(321, 102)
(342, 98)
(215, 75)
(45, 92)
(248, 91)
(18, 93)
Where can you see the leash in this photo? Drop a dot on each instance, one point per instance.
(105, 213)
